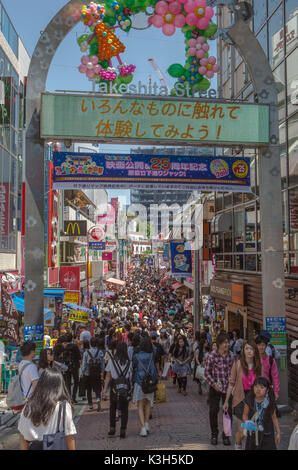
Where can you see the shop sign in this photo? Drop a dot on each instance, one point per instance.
(181, 263)
(4, 213)
(97, 245)
(78, 315)
(221, 290)
(277, 328)
(72, 298)
(238, 294)
(10, 316)
(33, 332)
(107, 256)
(114, 119)
(70, 278)
(97, 170)
(75, 228)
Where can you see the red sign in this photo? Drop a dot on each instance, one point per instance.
(53, 221)
(12, 286)
(97, 234)
(70, 278)
(10, 316)
(53, 276)
(107, 256)
(4, 214)
(108, 218)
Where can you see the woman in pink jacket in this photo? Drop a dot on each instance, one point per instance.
(269, 366)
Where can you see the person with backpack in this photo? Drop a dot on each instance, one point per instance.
(145, 382)
(39, 423)
(270, 370)
(118, 376)
(158, 353)
(23, 384)
(72, 359)
(93, 371)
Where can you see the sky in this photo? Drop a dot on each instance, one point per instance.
(31, 17)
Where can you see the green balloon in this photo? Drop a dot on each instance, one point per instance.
(110, 21)
(104, 64)
(94, 49)
(211, 30)
(187, 66)
(188, 35)
(127, 79)
(176, 70)
(205, 84)
(130, 3)
(110, 12)
(83, 38)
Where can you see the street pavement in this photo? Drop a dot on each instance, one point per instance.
(180, 424)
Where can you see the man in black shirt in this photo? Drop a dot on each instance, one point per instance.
(72, 359)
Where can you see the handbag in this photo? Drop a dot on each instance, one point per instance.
(57, 441)
(149, 384)
(161, 394)
(200, 373)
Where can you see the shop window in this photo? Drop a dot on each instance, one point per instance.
(276, 35)
(238, 230)
(292, 82)
(285, 221)
(218, 202)
(294, 261)
(219, 261)
(279, 77)
(293, 149)
(291, 24)
(227, 200)
(250, 228)
(262, 38)
(228, 248)
(237, 198)
(250, 263)
(283, 155)
(272, 4)
(228, 260)
(260, 13)
(259, 259)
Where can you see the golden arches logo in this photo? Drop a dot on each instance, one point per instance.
(73, 228)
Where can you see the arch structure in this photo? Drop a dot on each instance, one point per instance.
(241, 36)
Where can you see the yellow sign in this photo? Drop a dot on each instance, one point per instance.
(77, 315)
(72, 298)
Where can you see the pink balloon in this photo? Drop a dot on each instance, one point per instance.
(215, 68)
(90, 73)
(191, 19)
(93, 59)
(157, 21)
(168, 29)
(150, 20)
(209, 12)
(205, 47)
(204, 62)
(201, 3)
(189, 6)
(85, 59)
(192, 43)
(203, 23)
(212, 60)
(97, 68)
(179, 21)
(209, 74)
(200, 40)
(200, 53)
(175, 8)
(191, 51)
(161, 7)
(82, 68)
(202, 70)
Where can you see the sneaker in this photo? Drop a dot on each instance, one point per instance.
(226, 440)
(112, 432)
(143, 432)
(238, 446)
(90, 407)
(147, 426)
(214, 439)
(184, 393)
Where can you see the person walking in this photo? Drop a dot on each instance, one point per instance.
(118, 376)
(243, 374)
(72, 359)
(28, 371)
(143, 364)
(182, 356)
(217, 372)
(270, 370)
(40, 414)
(93, 371)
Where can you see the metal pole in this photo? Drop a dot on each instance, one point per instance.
(197, 304)
(88, 268)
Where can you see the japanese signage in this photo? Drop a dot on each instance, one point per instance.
(10, 316)
(277, 328)
(229, 291)
(141, 119)
(70, 277)
(4, 214)
(75, 227)
(78, 315)
(33, 332)
(77, 170)
(180, 260)
(72, 298)
(107, 256)
(97, 245)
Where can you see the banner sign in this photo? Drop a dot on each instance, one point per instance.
(166, 252)
(33, 332)
(75, 228)
(97, 245)
(78, 315)
(72, 298)
(107, 256)
(277, 328)
(10, 316)
(70, 278)
(81, 170)
(135, 119)
(180, 260)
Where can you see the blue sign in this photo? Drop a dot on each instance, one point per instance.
(276, 325)
(33, 332)
(180, 260)
(166, 253)
(101, 170)
(97, 245)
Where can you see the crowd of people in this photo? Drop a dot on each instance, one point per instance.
(142, 337)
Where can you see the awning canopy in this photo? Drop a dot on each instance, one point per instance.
(177, 285)
(189, 301)
(71, 306)
(53, 292)
(19, 303)
(117, 282)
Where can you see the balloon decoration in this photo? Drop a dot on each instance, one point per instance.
(192, 17)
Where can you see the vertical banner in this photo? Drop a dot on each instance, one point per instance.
(10, 316)
(181, 265)
(70, 278)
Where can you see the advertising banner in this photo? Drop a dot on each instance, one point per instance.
(107, 256)
(277, 328)
(76, 228)
(166, 252)
(97, 245)
(81, 170)
(10, 316)
(181, 265)
(72, 298)
(70, 278)
(131, 119)
(78, 315)
(33, 332)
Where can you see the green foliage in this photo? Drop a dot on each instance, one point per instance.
(176, 70)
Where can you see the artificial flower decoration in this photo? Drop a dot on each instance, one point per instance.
(90, 66)
(168, 17)
(198, 13)
(208, 67)
(198, 47)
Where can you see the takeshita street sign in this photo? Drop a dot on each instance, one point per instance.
(153, 120)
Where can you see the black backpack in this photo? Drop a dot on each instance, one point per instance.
(121, 387)
(94, 365)
(149, 384)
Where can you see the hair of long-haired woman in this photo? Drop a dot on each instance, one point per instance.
(251, 395)
(256, 359)
(146, 345)
(177, 347)
(49, 390)
(43, 359)
(121, 353)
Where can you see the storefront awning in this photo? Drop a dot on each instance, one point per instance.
(176, 286)
(71, 306)
(20, 305)
(189, 301)
(53, 292)
(117, 282)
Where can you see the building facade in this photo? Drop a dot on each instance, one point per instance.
(236, 230)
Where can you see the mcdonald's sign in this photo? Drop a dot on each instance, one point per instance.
(76, 228)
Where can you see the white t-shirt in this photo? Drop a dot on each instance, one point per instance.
(158, 322)
(28, 376)
(110, 368)
(85, 336)
(34, 433)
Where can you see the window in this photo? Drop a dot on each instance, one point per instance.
(262, 38)
(250, 228)
(279, 77)
(291, 24)
(293, 149)
(292, 82)
(260, 14)
(272, 4)
(276, 35)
